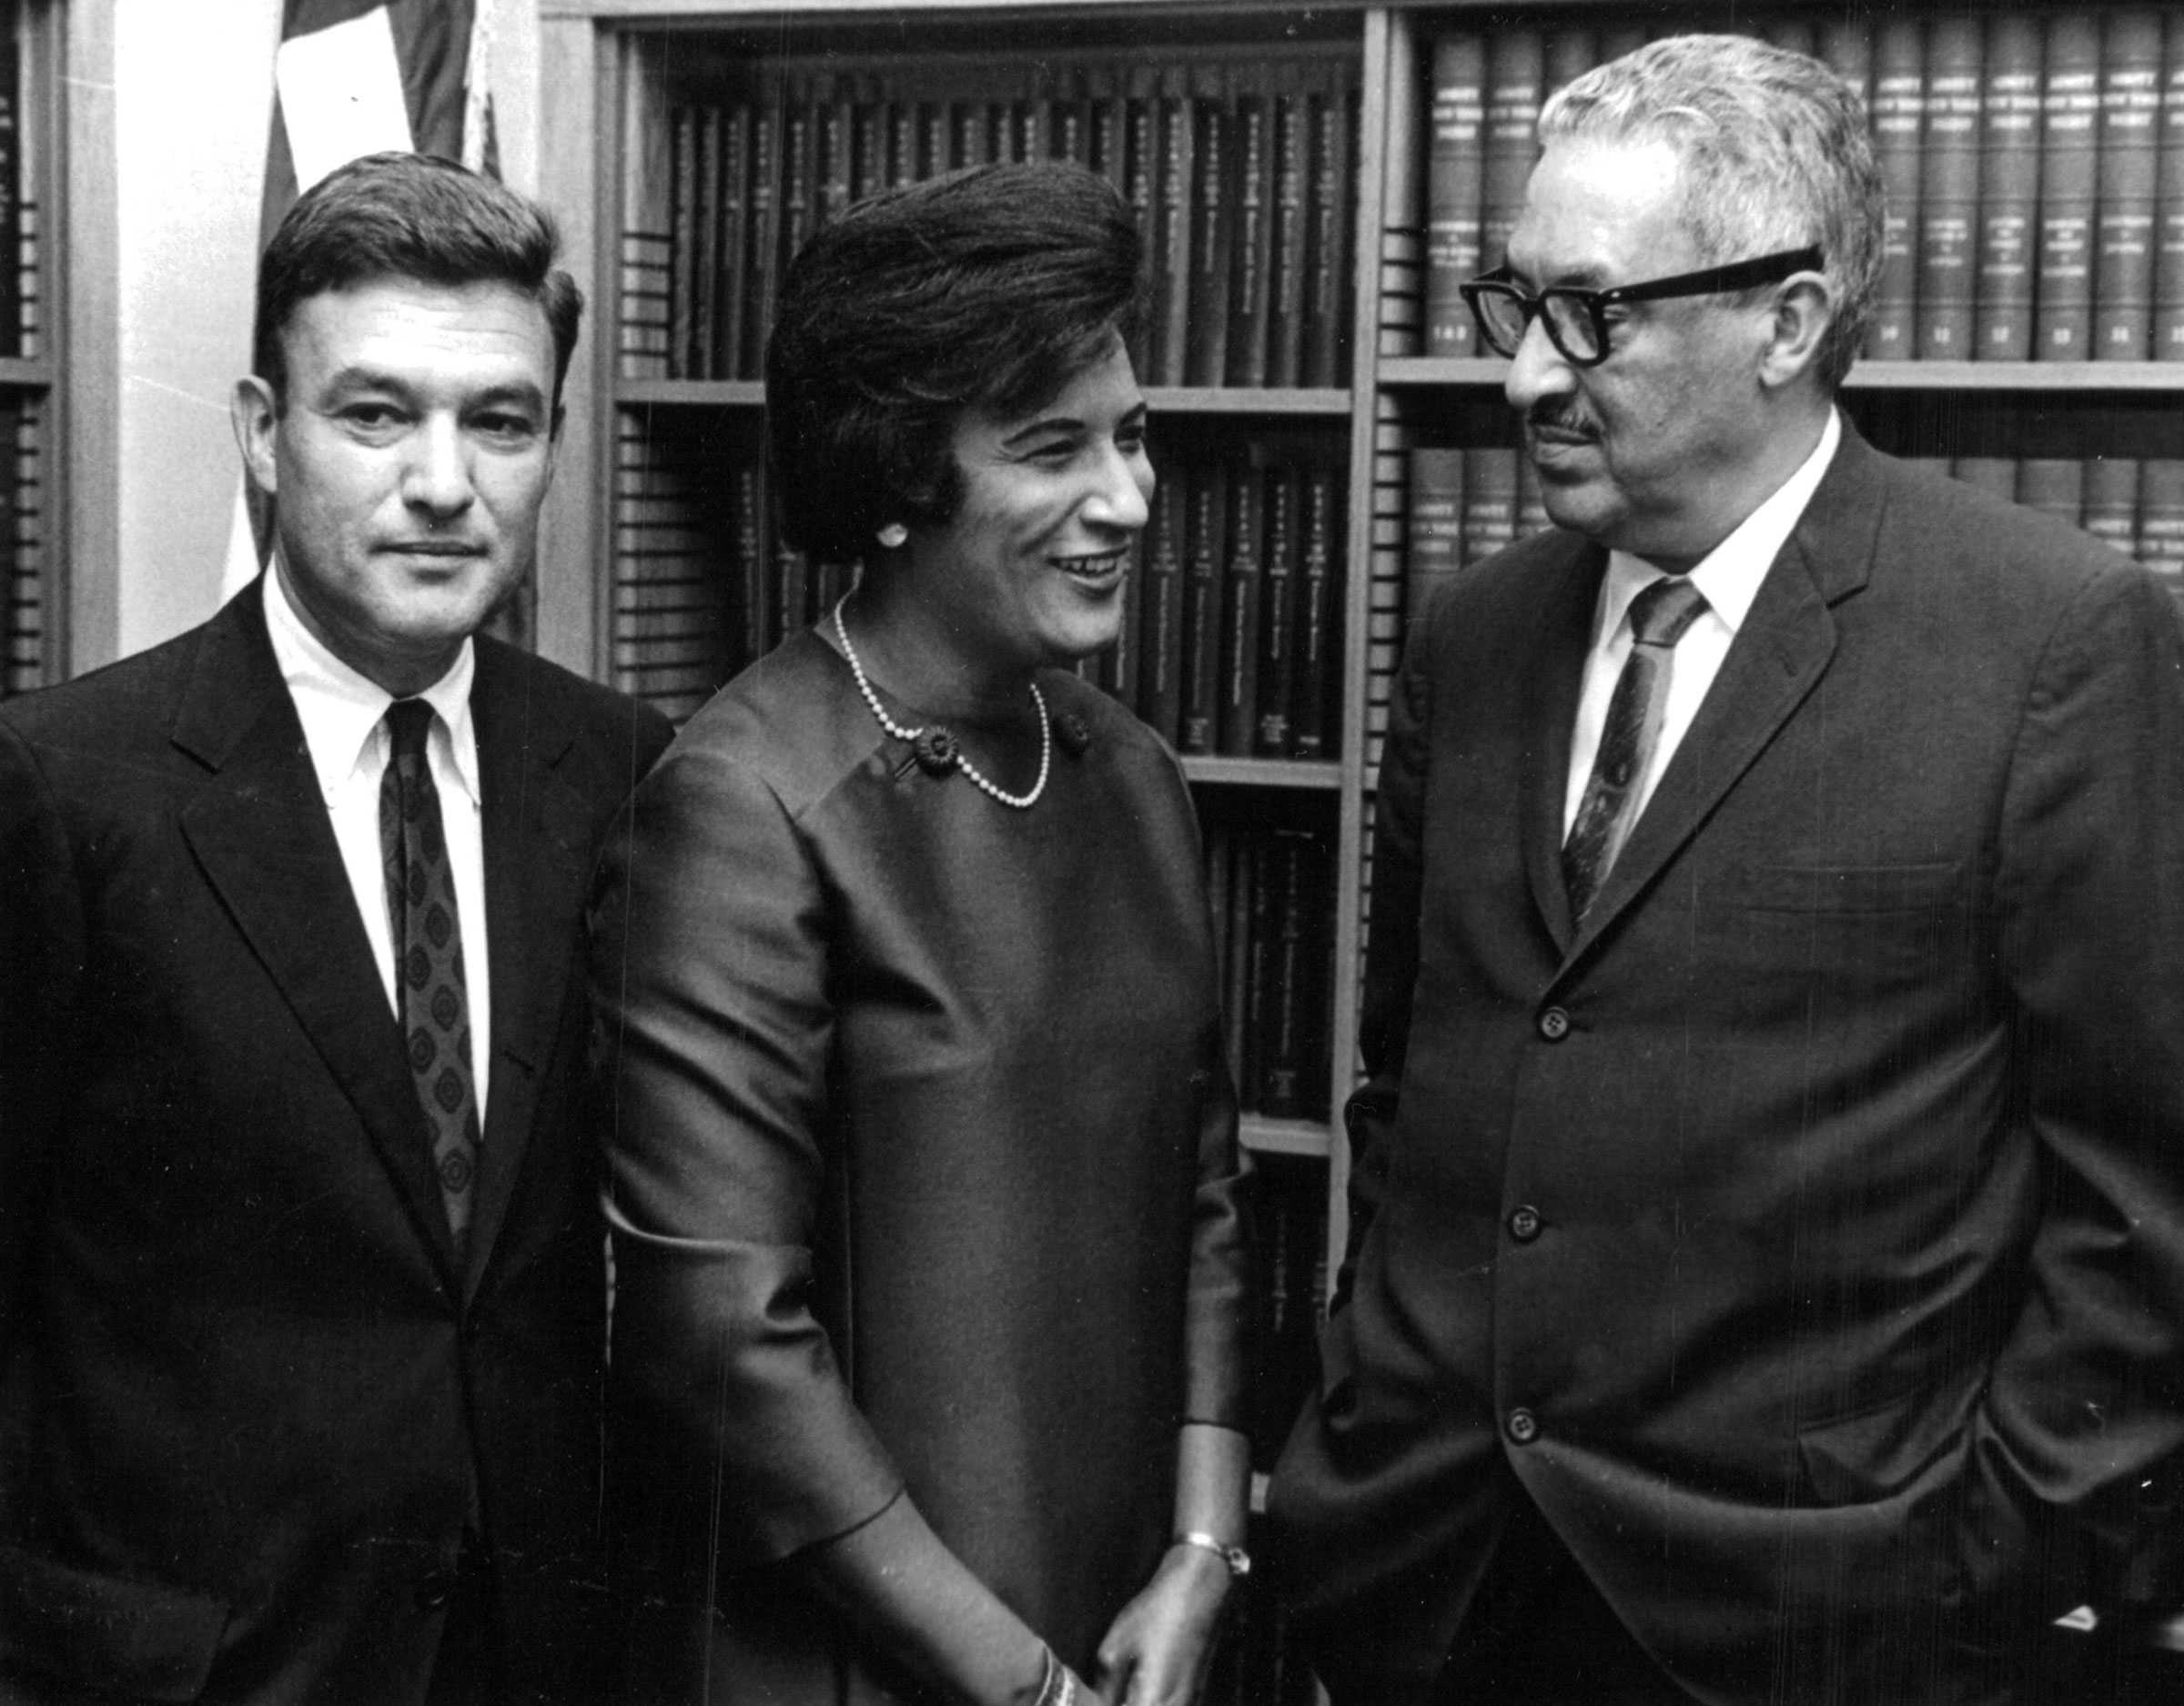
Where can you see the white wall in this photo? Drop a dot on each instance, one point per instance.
(192, 100)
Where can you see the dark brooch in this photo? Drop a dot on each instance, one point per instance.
(1072, 733)
(936, 751)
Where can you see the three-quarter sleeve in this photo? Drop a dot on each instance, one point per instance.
(709, 973)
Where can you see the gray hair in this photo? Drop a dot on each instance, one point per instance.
(1775, 155)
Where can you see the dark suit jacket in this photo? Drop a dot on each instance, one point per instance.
(247, 1396)
(1839, 1340)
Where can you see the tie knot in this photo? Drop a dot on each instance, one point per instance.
(1659, 614)
(409, 720)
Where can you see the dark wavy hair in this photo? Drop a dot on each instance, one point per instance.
(409, 215)
(989, 288)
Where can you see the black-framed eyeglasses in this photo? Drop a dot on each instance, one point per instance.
(1577, 320)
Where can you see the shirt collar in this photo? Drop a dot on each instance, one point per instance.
(342, 710)
(1729, 574)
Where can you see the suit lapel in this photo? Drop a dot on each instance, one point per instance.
(1566, 594)
(536, 865)
(1780, 652)
(260, 830)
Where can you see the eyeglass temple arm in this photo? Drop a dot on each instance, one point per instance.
(1737, 275)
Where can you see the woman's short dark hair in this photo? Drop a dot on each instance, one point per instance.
(988, 289)
(409, 215)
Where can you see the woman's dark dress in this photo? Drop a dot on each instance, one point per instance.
(923, 1172)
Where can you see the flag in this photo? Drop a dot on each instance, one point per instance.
(365, 76)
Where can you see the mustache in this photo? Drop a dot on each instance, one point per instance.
(1558, 416)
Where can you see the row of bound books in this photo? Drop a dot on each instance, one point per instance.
(1271, 890)
(1466, 504)
(2034, 161)
(1230, 641)
(1241, 173)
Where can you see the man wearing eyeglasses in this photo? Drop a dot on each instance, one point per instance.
(1766, 1267)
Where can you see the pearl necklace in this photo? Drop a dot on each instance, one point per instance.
(937, 750)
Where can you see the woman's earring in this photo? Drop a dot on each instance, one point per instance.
(894, 536)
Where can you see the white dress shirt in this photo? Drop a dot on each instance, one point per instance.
(1729, 576)
(344, 724)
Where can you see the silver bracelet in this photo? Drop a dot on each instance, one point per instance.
(1056, 1686)
(1237, 1559)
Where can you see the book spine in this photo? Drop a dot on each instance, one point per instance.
(705, 305)
(834, 148)
(2169, 204)
(1948, 190)
(1327, 265)
(764, 247)
(1160, 612)
(681, 282)
(1282, 574)
(1205, 542)
(2128, 158)
(1434, 526)
(2069, 140)
(1572, 50)
(759, 626)
(732, 260)
(1455, 184)
(799, 184)
(1243, 575)
(2111, 502)
(1292, 178)
(2162, 521)
(2009, 187)
(1514, 70)
(1252, 275)
(1213, 241)
(1108, 110)
(1843, 42)
(872, 135)
(1490, 502)
(1899, 95)
(1177, 251)
(1800, 35)
(1312, 703)
(2054, 485)
(1140, 183)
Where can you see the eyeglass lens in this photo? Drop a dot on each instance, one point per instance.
(1567, 323)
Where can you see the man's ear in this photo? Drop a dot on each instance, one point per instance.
(254, 414)
(1803, 311)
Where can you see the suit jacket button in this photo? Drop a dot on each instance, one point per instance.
(435, 1590)
(1554, 1025)
(1524, 1223)
(1522, 1426)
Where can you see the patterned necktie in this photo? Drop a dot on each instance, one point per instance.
(1659, 615)
(428, 958)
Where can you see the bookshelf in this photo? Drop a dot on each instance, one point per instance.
(33, 402)
(656, 425)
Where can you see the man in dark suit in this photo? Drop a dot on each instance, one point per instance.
(301, 1289)
(1767, 1254)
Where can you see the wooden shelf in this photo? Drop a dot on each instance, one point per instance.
(1307, 1138)
(1264, 772)
(1192, 400)
(2071, 376)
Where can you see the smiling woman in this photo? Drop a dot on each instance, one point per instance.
(925, 1182)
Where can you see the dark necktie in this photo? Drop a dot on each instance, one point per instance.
(1659, 615)
(428, 958)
